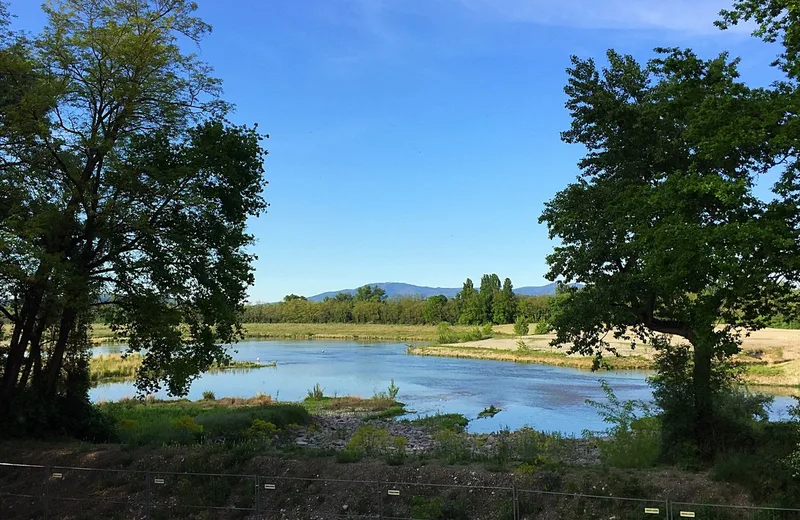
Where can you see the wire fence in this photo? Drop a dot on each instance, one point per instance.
(72, 493)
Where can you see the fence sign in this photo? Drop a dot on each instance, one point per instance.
(58, 475)
(687, 514)
(394, 492)
(269, 486)
(158, 480)
(651, 510)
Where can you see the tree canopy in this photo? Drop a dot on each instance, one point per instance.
(121, 182)
(663, 226)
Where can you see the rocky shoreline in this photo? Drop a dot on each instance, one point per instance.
(333, 432)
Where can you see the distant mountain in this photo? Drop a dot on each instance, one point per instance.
(394, 289)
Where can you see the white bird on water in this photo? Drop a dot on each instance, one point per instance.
(323, 351)
(258, 360)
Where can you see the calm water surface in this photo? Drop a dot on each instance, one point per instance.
(543, 397)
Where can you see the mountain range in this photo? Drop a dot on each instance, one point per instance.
(394, 289)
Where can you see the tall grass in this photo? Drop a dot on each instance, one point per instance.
(185, 422)
(123, 367)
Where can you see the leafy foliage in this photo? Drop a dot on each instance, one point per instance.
(662, 226)
(121, 184)
(633, 438)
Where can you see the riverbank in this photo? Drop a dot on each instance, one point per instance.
(769, 357)
(112, 368)
(346, 331)
(329, 456)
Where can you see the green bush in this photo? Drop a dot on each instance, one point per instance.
(521, 326)
(737, 416)
(633, 439)
(261, 429)
(152, 424)
(316, 394)
(449, 421)
(543, 327)
(348, 456)
(393, 390)
(208, 395)
(368, 440)
(397, 455)
(452, 446)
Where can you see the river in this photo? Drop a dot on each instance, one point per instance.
(543, 397)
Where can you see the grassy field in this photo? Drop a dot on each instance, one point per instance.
(102, 333)
(116, 367)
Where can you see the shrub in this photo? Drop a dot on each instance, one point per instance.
(451, 446)
(523, 347)
(446, 334)
(633, 439)
(348, 456)
(208, 395)
(537, 449)
(543, 327)
(368, 440)
(737, 416)
(397, 455)
(521, 326)
(449, 421)
(261, 429)
(186, 422)
(393, 390)
(491, 411)
(316, 394)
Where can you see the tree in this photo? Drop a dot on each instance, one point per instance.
(435, 310)
(292, 297)
(504, 308)
(370, 293)
(490, 287)
(662, 226)
(469, 304)
(121, 184)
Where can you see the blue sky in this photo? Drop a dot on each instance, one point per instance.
(417, 140)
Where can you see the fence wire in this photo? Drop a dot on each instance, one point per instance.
(37, 492)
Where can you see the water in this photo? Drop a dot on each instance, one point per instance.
(543, 397)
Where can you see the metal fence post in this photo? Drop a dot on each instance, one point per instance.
(515, 502)
(379, 487)
(149, 495)
(258, 497)
(47, 476)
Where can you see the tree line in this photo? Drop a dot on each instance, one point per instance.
(493, 302)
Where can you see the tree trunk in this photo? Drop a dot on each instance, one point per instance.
(57, 356)
(703, 395)
(16, 352)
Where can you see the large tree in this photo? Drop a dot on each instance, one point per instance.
(121, 184)
(662, 226)
(504, 307)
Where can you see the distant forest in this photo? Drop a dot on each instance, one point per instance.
(492, 302)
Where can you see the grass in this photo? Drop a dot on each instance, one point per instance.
(545, 358)
(102, 333)
(185, 422)
(117, 367)
(372, 408)
(448, 421)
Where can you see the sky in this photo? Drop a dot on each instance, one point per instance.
(418, 140)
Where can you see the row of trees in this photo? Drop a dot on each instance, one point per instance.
(491, 303)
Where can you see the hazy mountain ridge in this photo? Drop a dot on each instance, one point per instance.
(394, 289)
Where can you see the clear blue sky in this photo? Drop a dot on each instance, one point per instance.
(417, 140)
